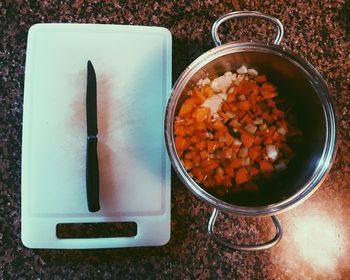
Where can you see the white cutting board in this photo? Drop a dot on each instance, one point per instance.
(133, 69)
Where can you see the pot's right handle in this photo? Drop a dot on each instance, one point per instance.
(242, 14)
(245, 247)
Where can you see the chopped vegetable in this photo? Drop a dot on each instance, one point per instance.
(229, 132)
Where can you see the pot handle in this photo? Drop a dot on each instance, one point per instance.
(245, 247)
(242, 14)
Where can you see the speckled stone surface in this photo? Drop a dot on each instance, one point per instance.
(317, 233)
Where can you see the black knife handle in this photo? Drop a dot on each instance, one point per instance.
(92, 175)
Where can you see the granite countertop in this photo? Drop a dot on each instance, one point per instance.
(316, 241)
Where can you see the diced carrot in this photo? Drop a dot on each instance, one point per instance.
(241, 176)
(236, 163)
(198, 174)
(265, 166)
(254, 152)
(243, 105)
(268, 95)
(200, 98)
(235, 124)
(219, 125)
(230, 97)
(229, 138)
(267, 87)
(261, 79)
(188, 155)
(226, 182)
(179, 130)
(227, 152)
(268, 140)
(254, 171)
(196, 158)
(200, 126)
(246, 87)
(210, 164)
(246, 119)
(181, 144)
(204, 154)
(257, 140)
(202, 113)
(188, 164)
(185, 109)
(266, 116)
(229, 170)
(201, 145)
(212, 146)
(247, 139)
(225, 117)
(208, 91)
(233, 107)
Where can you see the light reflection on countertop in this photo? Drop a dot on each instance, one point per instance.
(315, 242)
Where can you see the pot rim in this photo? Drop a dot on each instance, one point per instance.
(323, 165)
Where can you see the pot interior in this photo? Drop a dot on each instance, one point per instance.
(296, 85)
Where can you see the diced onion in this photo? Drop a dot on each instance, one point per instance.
(242, 70)
(237, 142)
(252, 72)
(246, 161)
(243, 152)
(281, 130)
(271, 152)
(230, 114)
(280, 166)
(250, 128)
(258, 121)
(263, 126)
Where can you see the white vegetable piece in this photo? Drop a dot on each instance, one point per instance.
(271, 152)
(250, 128)
(281, 130)
(252, 72)
(280, 166)
(242, 70)
(214, 102)
(203, 82)
(222, 83)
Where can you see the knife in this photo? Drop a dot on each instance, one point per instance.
(92, 173)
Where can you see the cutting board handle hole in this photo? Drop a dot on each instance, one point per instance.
(96, 230)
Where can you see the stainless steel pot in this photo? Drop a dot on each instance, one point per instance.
(300, 82)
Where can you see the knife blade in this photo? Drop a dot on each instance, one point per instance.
(92, 169)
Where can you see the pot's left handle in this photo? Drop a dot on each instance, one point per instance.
(245, 247)
(243, 14)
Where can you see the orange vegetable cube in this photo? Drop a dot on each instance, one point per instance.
(185, 109)
(265, 166)
(181, 144)
(204, 154)
(254, 171)
(241, 176)
(202, 113)
(254, 153)
(201, 145)
(212, 146)
(261, 79)
(236, 163)
(243, 105)
(218, 125)
(247, 139)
